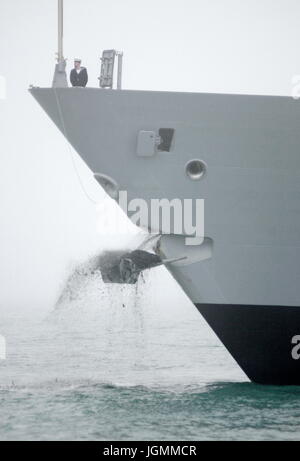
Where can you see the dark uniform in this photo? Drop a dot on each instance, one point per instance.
(79, 79)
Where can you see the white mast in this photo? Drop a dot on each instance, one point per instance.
(60, 52)
(120, 69)
(60, 76)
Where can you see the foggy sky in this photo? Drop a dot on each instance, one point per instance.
(249, 46)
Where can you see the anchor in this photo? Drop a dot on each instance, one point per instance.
(127, 266)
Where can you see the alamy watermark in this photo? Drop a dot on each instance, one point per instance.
(2, 87)
(296, 348)
(2, 348)
(179, 217)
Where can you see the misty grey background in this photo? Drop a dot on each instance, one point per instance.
(235, 46)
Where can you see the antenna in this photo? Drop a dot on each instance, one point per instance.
(60, 76)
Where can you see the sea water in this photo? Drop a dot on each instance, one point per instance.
(130, 363)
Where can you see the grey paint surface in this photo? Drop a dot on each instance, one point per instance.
(250, 145)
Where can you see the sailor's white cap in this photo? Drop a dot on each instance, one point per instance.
(77, 60)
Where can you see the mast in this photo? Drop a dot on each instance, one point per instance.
(60, 52)
(120, 69)
(60, 76)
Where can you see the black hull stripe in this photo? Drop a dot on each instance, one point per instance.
(260, 338)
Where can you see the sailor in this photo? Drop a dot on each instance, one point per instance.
(79, 75)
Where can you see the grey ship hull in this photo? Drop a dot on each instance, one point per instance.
(246, 279)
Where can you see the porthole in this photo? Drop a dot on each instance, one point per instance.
(195, 170)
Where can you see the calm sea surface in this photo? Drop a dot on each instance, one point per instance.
(126, 363)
